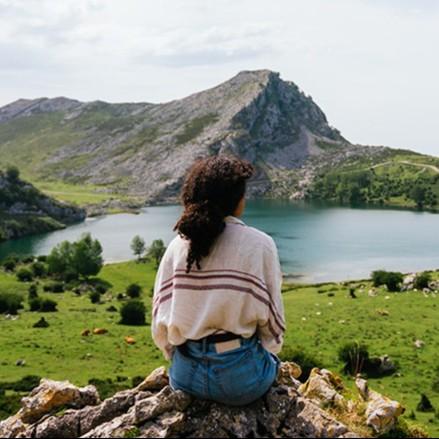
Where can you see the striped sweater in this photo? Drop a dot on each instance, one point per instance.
(238, 289)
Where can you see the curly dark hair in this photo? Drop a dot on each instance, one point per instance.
(212, 190)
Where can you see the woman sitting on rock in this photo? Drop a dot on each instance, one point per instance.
(217, 309)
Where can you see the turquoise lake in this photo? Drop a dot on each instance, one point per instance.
(316, 243)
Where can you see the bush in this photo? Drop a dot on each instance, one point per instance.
(10, 303)
(133, 291)
(9, 264)
(391, 279)
(95, 297)
(12, 173)
(42, 258)
(48, 305)
(422, 280)
(54, 287)
(35, 304)
(354, 357)
(305, 360)
(24, 275)
(133, 313)
(38, 269)
(27, 259)
(33, 291)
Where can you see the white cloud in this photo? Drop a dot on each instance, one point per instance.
(370, 64)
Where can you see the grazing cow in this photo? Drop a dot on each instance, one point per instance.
(85, 333)
(130, 340)
(100, 331)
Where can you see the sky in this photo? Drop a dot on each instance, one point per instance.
(371, 65)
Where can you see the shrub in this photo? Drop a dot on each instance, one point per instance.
(391, 279)
(33, 291)
(42, 258)
(10, 303)
(48, 305)
(12, 173)
(9, 264)
(38, 269)
(54, 287)
(425, 404)
(422, 280)
(27, 259)
(133, 291)
(24, 275)
(354, 357)
(95, 297)
(133, 313)
(35, 304)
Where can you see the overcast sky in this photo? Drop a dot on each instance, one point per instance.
(371, 65)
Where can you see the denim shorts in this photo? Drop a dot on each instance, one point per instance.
(236, 377)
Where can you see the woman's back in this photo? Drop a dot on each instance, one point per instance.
(237, 290)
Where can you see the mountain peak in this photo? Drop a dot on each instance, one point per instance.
(146, 149)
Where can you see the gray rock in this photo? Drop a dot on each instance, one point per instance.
(161, 412)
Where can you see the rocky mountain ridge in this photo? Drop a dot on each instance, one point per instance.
(153, 409)
(145, 149)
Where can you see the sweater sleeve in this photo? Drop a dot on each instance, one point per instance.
(271, 332)
(159, 329)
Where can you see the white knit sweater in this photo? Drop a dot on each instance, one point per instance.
(238, 289)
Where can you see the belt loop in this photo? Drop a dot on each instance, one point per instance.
(204, 345)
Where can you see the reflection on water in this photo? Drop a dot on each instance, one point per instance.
(316, 242)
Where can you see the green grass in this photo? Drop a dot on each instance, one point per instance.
(81, 195)
(317, 324)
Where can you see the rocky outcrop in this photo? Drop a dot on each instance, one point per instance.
(25, 210)
(154, 409)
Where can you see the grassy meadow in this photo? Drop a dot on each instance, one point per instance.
(320, 319)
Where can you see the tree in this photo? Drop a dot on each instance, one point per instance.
(138, 246)
(418, 195)
(81, 258)
(60, 258)
(156, 251)
(87, 256)
(12, 173)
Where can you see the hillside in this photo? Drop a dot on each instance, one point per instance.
(25, 210)
(91, 151)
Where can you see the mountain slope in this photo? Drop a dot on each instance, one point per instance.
(144, 149)
(25, 210)
(255, 115)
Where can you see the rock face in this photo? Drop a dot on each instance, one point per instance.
(153, 409)
(25, 210)
(145, 149)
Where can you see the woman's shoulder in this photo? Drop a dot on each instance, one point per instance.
(251, 236)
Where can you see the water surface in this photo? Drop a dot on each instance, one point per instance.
(316, 243)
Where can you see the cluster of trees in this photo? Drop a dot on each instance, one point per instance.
(362, 187)
(69, 266)
(155, 252)
(393, 280)
(75, 260)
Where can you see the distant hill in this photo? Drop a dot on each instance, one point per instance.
(144, 149)
(25, 210)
